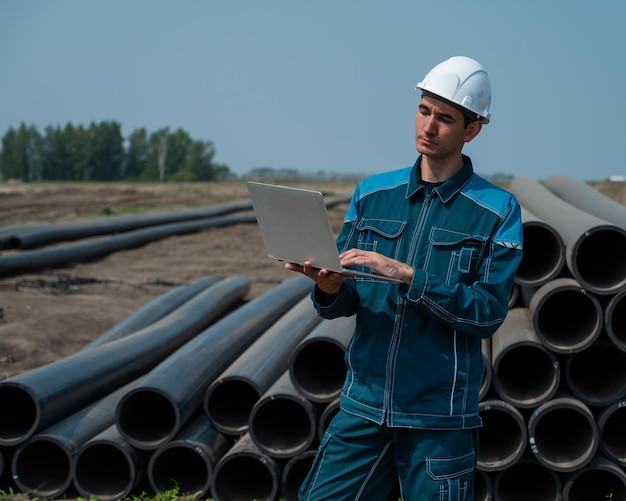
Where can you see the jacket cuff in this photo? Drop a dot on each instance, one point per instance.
(416, 291)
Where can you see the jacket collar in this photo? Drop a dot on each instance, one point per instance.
(448, 188)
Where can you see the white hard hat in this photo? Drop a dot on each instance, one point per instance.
(462, 81)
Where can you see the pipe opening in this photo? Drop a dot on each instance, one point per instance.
(597, 375)
(229, 405)
(502, 437)
(598, 260)
(615, 320)
(96, 459)
(527, 480)
(182, 466)
(526, 376)
(146, 418)
(282, 427)
(23, 418)
(43, 468)
(568, 320)
(294, 474)
(613, 438)
(565, 438)
(544, 255)
(318, 370)
(259, 483)
(597, 484)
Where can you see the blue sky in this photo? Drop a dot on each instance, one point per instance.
(325, 85)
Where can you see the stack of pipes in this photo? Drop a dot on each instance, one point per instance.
(236, 411)
(554, 408)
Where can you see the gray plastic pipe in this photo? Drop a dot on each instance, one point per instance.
(597, 375)
(188, 460)
(483, 486)
(42, 466)
(488, 370)
(544, 252)
(615, 319)
(527, 480)
(594, 248)
(601, 479)
(566, 317)
(503, 436)
(230, 398)
(563, 434)
(586, 198)
(108, 468)
(155, 310)
(317, 366)
(525, 373)
(612, 423)
(36, 399)
(327, 416)
(261, 480)
(283, 423)
(294, 473)
(174, 390)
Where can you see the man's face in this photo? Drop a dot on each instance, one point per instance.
(440, 131)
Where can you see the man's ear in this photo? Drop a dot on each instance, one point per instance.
(472, 130)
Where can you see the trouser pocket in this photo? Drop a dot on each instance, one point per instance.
(451, 477)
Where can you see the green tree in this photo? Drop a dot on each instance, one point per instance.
(138, 154)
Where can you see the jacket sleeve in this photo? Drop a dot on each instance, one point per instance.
(478, 308)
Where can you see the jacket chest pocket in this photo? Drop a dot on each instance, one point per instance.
(455, 255)
(381, 235)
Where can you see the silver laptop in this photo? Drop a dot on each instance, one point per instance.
(295, 227)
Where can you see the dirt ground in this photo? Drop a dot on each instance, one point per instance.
(52, 314)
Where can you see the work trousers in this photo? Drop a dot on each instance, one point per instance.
(359, 460)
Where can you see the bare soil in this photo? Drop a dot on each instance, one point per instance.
(48, 315)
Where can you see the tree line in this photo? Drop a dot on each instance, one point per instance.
(100, 153)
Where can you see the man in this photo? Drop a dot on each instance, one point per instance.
(409, 406)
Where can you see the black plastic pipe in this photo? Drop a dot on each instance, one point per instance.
(35, 260)
(283, 423)
(586, 198)
(600, 479)
(174, 390)
(230, 398)
(317, 366)
(261, 480)
(188, 460)
(108, 468)
(597, 375)
(155, 310)
(527, 480)
(594, 248)
(30, 237)
(611, 424)
(326, 416)
(34, 400)
(544, 252)
(294, 473)
(566, 317)
(42, 466)
(525, 373)
(615, 319)
(563, 434)
(503, 436)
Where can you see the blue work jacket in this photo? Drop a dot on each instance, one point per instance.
(415, 359)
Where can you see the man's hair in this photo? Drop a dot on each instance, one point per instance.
(468, 116)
